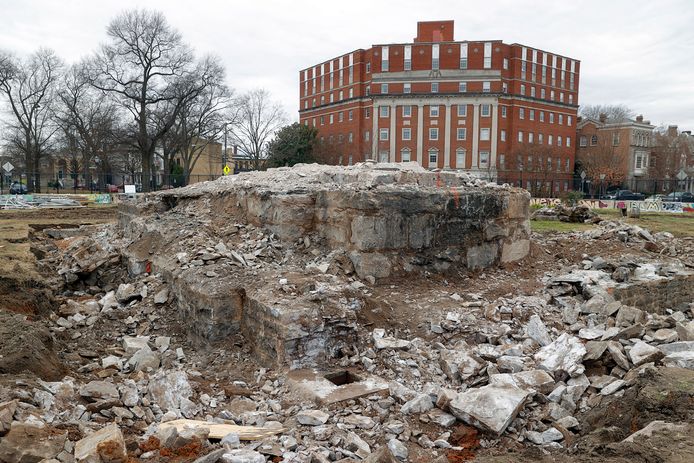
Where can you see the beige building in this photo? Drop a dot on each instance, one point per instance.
(206, 164)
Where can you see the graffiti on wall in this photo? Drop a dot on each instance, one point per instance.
(645, 206)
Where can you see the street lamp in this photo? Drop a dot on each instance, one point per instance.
(602, 184)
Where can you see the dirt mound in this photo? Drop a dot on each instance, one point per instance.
(24, 297)
(27, 346)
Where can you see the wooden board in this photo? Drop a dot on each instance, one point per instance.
(218, 430)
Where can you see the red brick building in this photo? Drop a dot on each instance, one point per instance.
(498, 110)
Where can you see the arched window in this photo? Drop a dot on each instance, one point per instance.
(405, 155)
(594, 140)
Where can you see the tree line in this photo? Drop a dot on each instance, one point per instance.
(142, 94)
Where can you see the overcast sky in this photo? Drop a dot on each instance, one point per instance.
(637, 53)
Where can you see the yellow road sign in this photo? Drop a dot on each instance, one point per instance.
(226, 170)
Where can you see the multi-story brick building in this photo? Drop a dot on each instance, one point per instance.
(501, 110)
(618, 150)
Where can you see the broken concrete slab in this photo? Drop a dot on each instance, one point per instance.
(564, 354)
(31, 441)
(655, 427)
(642, 352)
(329, 387)
(105, 445)
(491, 407)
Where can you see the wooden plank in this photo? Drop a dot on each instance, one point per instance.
(218, 430)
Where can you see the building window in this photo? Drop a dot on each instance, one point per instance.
(368, 90)
(384, 111)
(502, 161)
(540, 138)
(568, 167)
(593, 140)
(434, 111)
(462, 87)
(433, 157)
(462, 110)
(486, 86)
(406, 111)
(383, 156)
(503, 135)
(384, 59)
(561, 119)
(639, 161)
(543, 93)
(551, 118)
(505, 63)
(487, 55)
(504, 87)
(305, 104)
(384, 88)
(542, 116)
(460, 158)
(484, 134)
(434, 87)
(351, 93)
(568, 141)
(463, 56)
(383, 134)
(532, 114)
(405, 155)
(551, 95)
(350, 137)
(571, 98)
(522, 89)
(368, 67)
(350, 115)
(367, 135)
(583, 141)
(561, 97)
(340, 116)
(367, 113)
(484, 159)
(615, 139)
(532, 92)
(503, 111)
(407, 88)
(520, 136)
(433, 134)
(569, 120)
(314, 121)
(485, 110)
(407, 134)
(322, 120)
(349, 162)
(559, 140)
(435, 57)
(408, 58)
(461, 133)
(521, 113)
(531, 137)
(549, 139)
(342, 94)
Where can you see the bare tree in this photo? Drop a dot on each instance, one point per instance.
(258, 120)
(29, 85)
(150, 72)
(88, 121)
(670, 154)
(604, 159)
(614, 113)
(201, 119)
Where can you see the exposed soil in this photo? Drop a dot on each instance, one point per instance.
(27, 346)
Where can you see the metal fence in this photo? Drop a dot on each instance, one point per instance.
(95, 183)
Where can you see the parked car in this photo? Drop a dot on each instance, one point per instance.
(17, 188)
(656, 198)
(627, 195)
(679, 197)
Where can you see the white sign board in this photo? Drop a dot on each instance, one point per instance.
(8, 167)
(130, 189)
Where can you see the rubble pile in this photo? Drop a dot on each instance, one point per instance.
(573, 214)
(187, 336)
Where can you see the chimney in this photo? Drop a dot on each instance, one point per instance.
(639, 118)
(603, 117)
(579, 118)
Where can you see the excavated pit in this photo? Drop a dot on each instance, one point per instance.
(366, 221)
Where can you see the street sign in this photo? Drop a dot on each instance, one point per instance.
(583, 174)
(8, 167)
(226, 170)
(682, 175)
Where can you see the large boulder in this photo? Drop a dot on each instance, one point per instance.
(490, 408)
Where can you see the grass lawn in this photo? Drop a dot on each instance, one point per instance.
(680, 225)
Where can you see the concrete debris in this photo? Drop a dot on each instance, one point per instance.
(490, 407)
(370, 313)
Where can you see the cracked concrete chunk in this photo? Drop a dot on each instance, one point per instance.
(565, 354)
(537, 331)
(105, 445)
(312, 417)
(491, 407)
(31, 441)
(642, 353)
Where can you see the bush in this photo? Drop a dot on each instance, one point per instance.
(571, 198)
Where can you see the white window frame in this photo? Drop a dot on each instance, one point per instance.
(433, 133)
(406, 134)
(485, 134)
(461, 133)
(383, 134)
